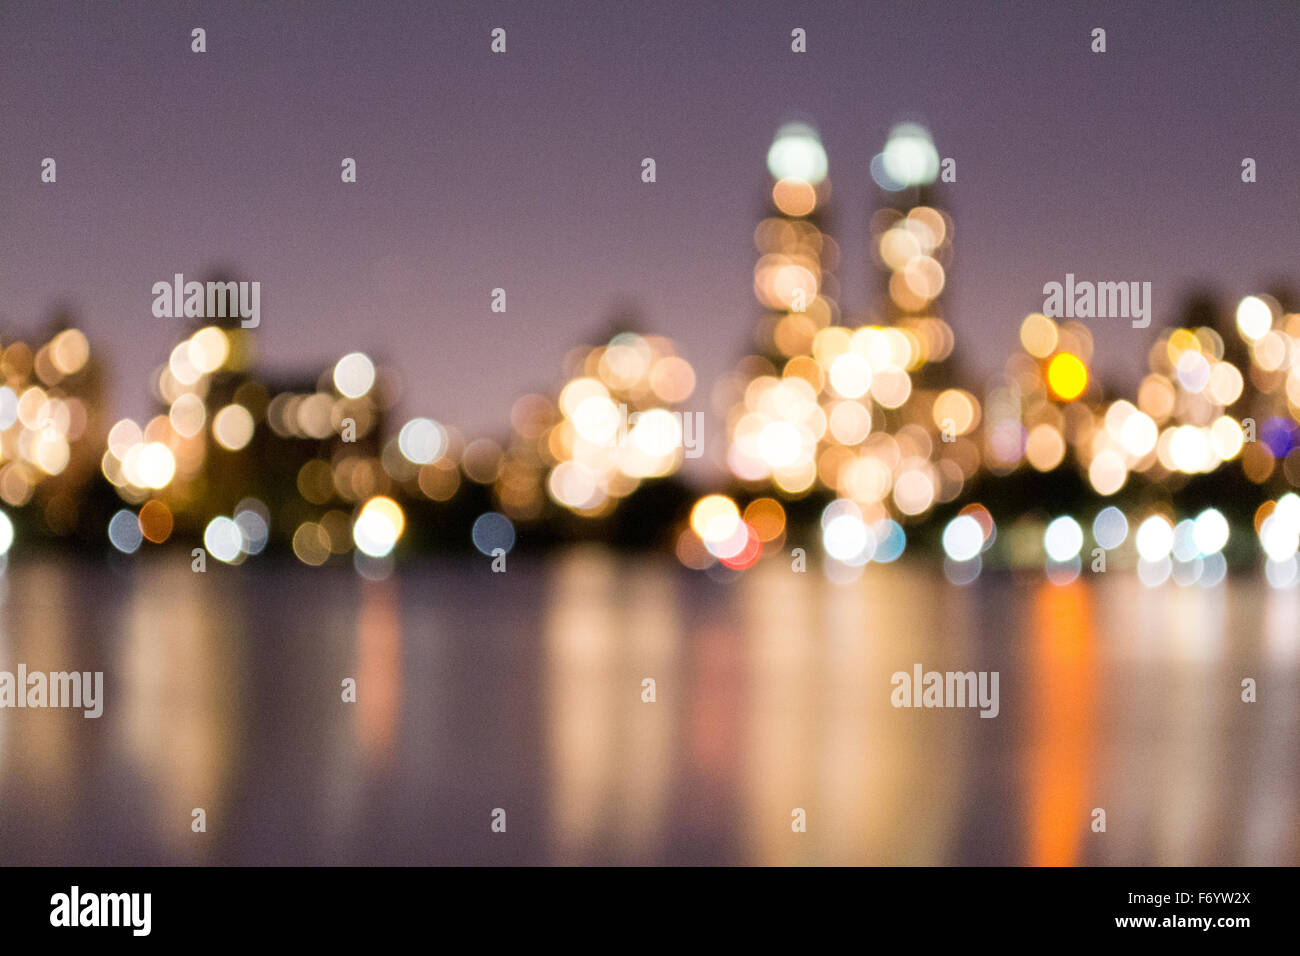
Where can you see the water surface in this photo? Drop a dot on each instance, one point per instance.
(523, 691)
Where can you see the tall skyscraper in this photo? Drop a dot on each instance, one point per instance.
(838, 406)
(794, 279)
(911, 247)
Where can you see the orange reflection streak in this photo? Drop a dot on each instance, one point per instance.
(379, 668)
(717, 701)
(1061, 709)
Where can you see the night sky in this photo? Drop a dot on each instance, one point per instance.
(523, 170)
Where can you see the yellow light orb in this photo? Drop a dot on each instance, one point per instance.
(1067, 376)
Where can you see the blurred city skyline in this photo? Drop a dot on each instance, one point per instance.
(478, 171)
(755, 437)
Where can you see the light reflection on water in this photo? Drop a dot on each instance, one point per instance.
(523, 691)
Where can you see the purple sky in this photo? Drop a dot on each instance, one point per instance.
(522, 170)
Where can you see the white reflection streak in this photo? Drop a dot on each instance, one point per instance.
(652, 638)
(1272, 807)
(580, 624)
(821, 733)
(610, 625)
(178, 687)
(1192, 764)
(781, 726)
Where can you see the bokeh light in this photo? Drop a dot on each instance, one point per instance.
(797, 153)
(354, 374)
(493, 531)
(1067, 376)
(378, 526)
